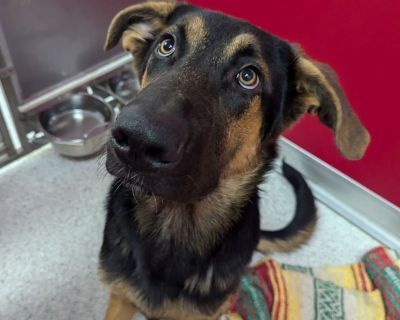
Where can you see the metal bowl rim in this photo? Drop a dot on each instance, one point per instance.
(56, 139)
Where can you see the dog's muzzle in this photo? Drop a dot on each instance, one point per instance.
(147, 140)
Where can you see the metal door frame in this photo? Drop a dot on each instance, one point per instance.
(9, 82)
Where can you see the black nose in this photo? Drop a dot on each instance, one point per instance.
(144, 140)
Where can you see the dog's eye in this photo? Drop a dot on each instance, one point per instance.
(248, 78)
(166, 47)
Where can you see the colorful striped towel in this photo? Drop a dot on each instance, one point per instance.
(366, 290)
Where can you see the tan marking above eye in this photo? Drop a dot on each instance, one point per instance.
(241, 42)
(195, 30)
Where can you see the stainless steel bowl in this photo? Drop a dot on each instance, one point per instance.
(79, 126)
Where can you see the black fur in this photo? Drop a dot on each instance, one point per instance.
(159, 270)
(305, 206)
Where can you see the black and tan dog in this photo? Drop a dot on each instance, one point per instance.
(191, 149)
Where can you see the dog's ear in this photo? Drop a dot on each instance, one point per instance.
(138, 24)
(314, 88)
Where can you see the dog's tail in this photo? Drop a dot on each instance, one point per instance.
(300, 229)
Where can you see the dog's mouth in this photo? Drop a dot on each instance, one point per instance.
(177, 186)
(135, 183)
(132, 179)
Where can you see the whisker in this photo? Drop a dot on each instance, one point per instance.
(133, 194)
(155, 201)
(118, 187)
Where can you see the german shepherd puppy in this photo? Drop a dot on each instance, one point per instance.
(190, 150)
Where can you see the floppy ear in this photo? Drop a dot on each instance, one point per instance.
(138, 25)
(314, 88)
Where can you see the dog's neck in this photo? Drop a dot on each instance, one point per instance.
(201, 225)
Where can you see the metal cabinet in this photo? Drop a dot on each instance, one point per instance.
(48, 50)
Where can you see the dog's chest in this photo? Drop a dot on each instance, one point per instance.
(175, 282)
(156, 272)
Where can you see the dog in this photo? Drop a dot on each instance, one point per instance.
(189, 152)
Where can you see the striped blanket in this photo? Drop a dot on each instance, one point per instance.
(369, 290)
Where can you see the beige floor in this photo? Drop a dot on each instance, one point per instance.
(51, 220)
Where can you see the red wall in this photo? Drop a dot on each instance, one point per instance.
(360, 39)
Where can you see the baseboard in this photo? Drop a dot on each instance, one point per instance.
(361, 206)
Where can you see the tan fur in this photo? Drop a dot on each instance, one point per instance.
(241, 42)
(301, 237)
(311, 70)
(145, 79)
(195, 31)
(199, 225)
(223, 283)
(243, 140)
(351, 137)
(119, 308)
(141, 31)
(126, 299)
(201, 285)
(137, 33)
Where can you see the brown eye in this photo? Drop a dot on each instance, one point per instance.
(248, 78)
(166, 47)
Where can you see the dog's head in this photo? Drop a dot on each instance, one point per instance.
(214, 92)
